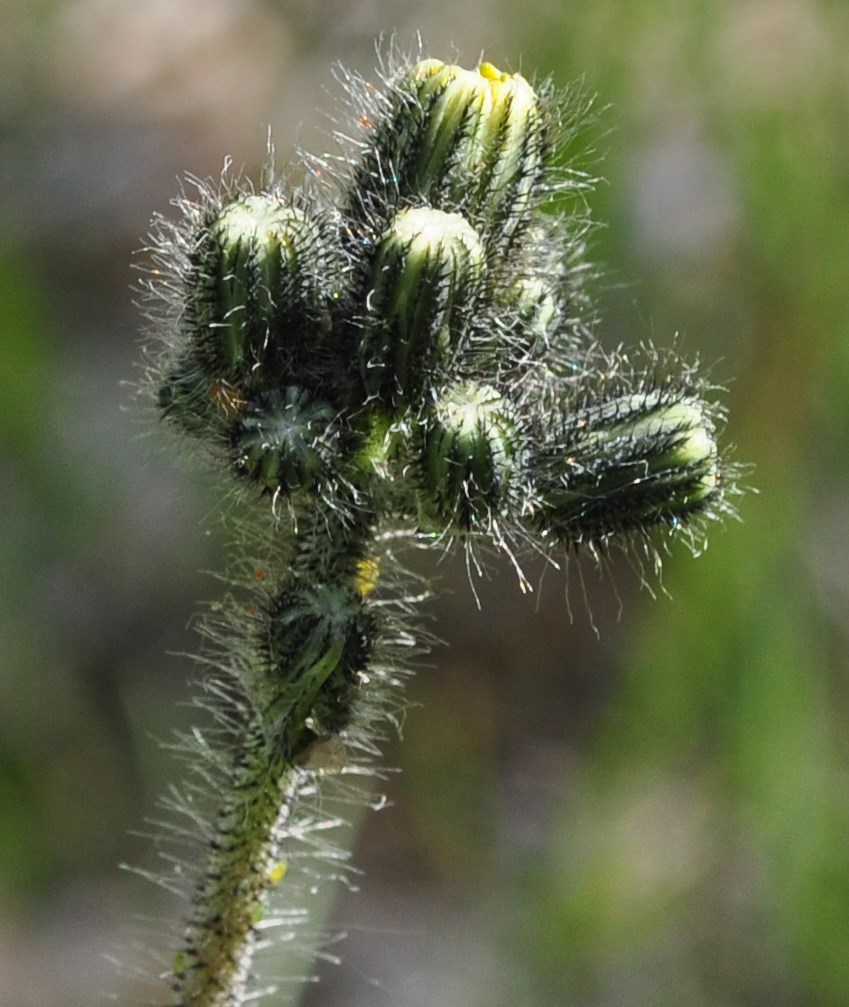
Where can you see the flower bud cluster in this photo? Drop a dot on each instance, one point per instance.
(403, 346)
(417, 332)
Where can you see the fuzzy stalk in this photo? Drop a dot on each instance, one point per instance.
(243, 865)
(311, 643)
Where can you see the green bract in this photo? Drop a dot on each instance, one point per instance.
(321, 637)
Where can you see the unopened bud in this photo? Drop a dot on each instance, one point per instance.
(546, 296)
(482, 139)
(283, 440)
(320, 639)
(471, 450)
(258, 292)
(538, 308)
(425, 280)
(462, 139)
(628, 464)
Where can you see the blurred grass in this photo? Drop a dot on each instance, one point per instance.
(659, 817)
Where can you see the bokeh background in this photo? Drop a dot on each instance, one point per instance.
(645, 805)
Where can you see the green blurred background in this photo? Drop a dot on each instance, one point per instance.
(654, 815)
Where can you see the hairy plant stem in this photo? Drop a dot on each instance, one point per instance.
(312, 637)
(243, 865)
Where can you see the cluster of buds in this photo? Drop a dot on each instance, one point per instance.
(417, 336)
(402, 345)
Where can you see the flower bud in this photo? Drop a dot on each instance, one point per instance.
(258, 295)
(538, 309)
(425, 280)
(470, 449)
(283, 440)
(546, 296)
(320, 638)
(483, 133)
(471, 140)
(628, 464)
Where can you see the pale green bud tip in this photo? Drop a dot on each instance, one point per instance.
(257, 238)
(689, 446)
(537, 306)
(434, 240)
(471, 449)
(471, 412)
(425, 280)
(258, 219)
